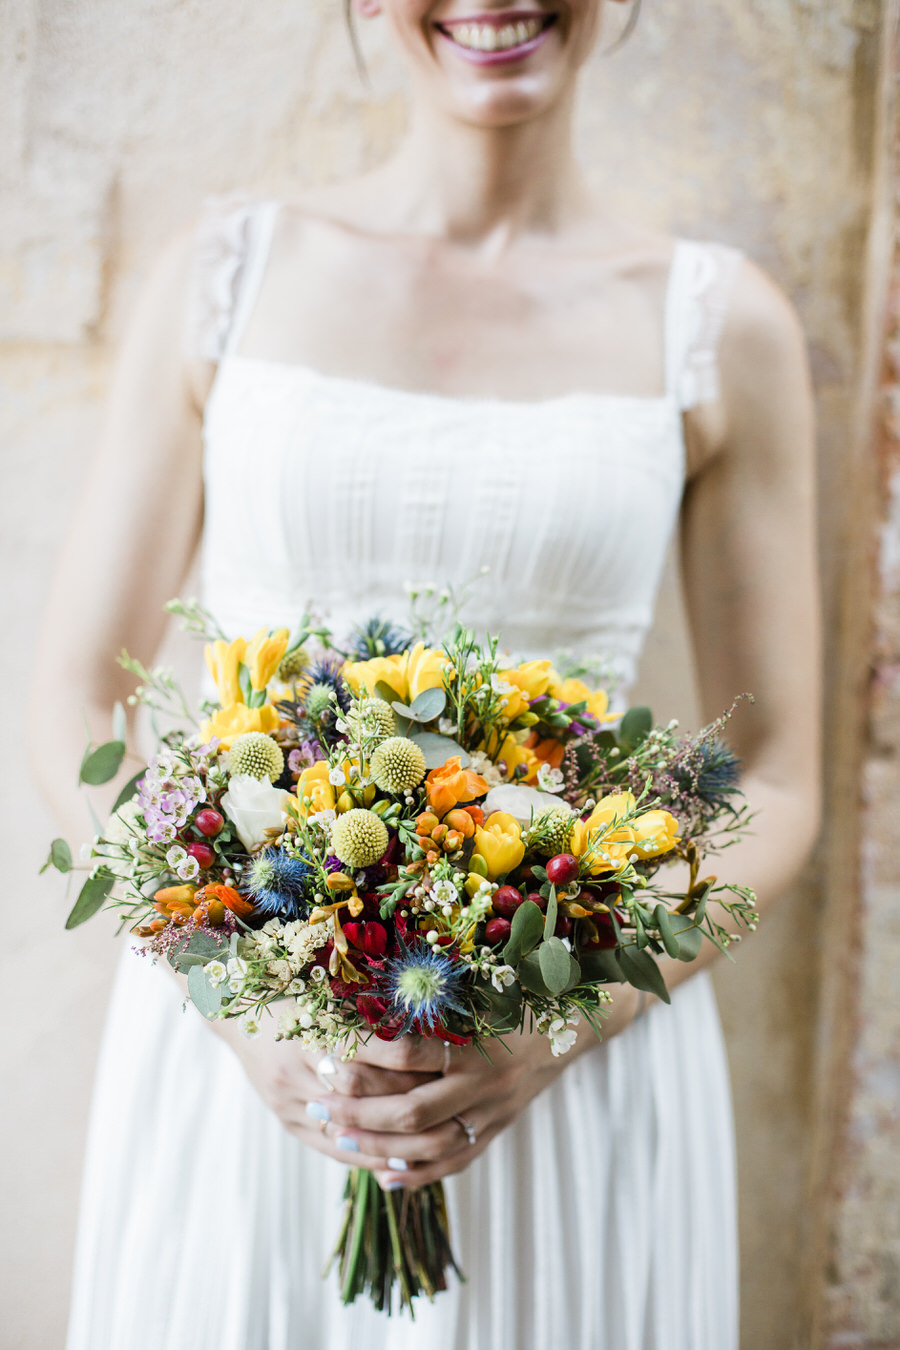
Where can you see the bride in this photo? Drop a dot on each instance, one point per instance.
(462, 363)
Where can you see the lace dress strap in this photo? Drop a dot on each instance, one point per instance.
(700, 286)
(231, 248)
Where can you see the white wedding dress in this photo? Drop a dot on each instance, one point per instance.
(604, 1218)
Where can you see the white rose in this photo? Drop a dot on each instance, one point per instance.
(518, 801)
(254, 807)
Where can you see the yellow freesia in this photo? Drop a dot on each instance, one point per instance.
(264, 654)
(223, 660)
(576, 691)
(611, 852)
(313, 783)
(391, 670)
(529, 680)
(512, 754)
(424, 670)
(499, 843)
(655, 832)
(233, 721)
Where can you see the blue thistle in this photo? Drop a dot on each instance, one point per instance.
(326, 671)
(711, 771)
(277, 883)
(424, 986)
(379, 637)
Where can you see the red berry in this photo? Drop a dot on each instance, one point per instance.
(208, 821)
(563, 927)
(506, 901)
(539, 900)
(562, 869)
(203, 854)
(497, 931)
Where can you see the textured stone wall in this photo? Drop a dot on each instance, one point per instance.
(750, 121)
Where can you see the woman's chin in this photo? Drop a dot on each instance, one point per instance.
(502, 103)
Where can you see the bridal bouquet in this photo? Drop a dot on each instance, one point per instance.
(391, 839)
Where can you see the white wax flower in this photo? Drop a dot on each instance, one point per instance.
(254, 807)
(215, 972)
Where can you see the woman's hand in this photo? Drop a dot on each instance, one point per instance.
(284, 1075)
(422, 1125)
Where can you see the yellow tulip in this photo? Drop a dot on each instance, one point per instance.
(313, 783)
(223, 660)
(264, 654)
(233, 721)
(424, 670)
(391, 670)
(655, 832)
(499, 843)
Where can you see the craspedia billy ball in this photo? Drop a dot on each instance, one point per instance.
(256, 754)
(292, 664)
(359, 838)
(398, 765)
(372, 718)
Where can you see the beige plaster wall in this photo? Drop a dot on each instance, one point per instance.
(747, 120)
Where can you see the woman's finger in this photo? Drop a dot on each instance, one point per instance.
(410, 1053)
(410, 1113)
(355, 1078)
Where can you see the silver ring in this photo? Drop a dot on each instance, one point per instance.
(326, 1070)
(468, 1127)
(446, 1057)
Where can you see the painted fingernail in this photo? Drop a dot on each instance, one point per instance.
(393, 1186)
(397, 1164)
(347, 1143)
(317, 1111)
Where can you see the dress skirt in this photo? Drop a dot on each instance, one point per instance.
(604, 1218)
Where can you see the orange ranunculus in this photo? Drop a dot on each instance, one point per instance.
(231, 722)
(655, 832)
(499, 843)
(610, 844)
(224, 659)
(390, 670)
(576, 691)
(313, 783)
(424, 669)
(264, 654)
(549, 751)
(225, 895)
(451, 784)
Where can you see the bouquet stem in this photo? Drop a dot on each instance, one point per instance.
(392, 1243)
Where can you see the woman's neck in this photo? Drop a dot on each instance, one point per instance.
(485, 187)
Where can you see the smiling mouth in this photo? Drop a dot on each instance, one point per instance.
(508, 33)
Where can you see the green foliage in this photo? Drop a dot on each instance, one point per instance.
(90, 899)
(129, 790)
(203, 947)
(60, 857)
(206, 998)
(635, 727)
(641, 970)
(525, 933)
(102, 764)
(438, 749)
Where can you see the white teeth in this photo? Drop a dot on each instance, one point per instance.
(484, 37)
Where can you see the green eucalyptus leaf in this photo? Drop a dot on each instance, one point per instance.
(525, 933)
(688, 936)
(428, 705)
(555, 966)
(550, 916)
(600, 966)
(206, 998)
(90, 899)
(504, 1010)
(438, 749)
(640, 969)
(666, 931)
(102, 764)
(203, 947)
(531, 977)
(129, 790)
(635, 727)
(385, 692)
(60, 857)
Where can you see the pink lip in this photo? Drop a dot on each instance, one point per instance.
(479, 58)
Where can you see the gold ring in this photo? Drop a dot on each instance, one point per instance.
(468, 1127)
(324, 1127)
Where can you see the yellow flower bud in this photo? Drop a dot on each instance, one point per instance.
(499, 843)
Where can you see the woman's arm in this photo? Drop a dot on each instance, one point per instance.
(131, 539)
